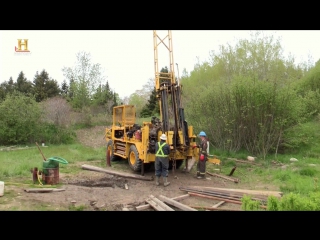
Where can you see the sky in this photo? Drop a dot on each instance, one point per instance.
(127, 56)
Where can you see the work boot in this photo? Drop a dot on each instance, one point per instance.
(197, 175)
(165, 182)
(201, 176)
(157, 181)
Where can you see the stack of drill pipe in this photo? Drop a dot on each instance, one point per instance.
(225, 195)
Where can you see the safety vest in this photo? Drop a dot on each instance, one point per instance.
(160, 152)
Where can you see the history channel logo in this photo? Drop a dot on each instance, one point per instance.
(22, 48)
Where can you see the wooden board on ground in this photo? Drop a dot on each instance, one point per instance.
(112, 172)
(218, 204)
(155, 205)
(147, 206)
(224, 177)
(160, 203)
(176, 204)
(43, 190)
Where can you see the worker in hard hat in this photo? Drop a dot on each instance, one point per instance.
(203, 155)
(162, 160)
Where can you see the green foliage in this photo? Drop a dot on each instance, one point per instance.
(18, 163)
(23, 85)
(299, 179)
(250, 205)
(77, 208)
(154, 103)
(44, 87)
(22, 122)
(245, 97)
(308, 171)
(301, 137)
(152, 107)
(84, 79)
(19, 121)
(138, 102)
(296, 202)
(283, 176)
(104, 96)
(289, 202)
(54, 134)
(311, 81)
(273, 204)
(140, 98)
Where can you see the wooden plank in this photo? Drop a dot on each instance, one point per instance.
(43, 190)
(224, 177)
(147, 206)
(215, 198)
(218, 204)
(160, 203)
(155, 205)
(176, 204)
(143, 207)
(214, 208)
(112, 172)
(179, 198)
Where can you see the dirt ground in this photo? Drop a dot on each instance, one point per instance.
(96, 191)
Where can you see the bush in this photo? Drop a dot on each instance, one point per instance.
(289, 202)
(250, 205)
(53, 134)
(18, 119)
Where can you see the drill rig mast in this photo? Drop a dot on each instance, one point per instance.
(169, 96)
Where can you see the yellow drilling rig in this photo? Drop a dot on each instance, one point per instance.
(135, 143)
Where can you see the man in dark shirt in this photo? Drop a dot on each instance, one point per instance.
(203, 155)
(162, 160)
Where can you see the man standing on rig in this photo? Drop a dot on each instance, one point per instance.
(162, 160)
(203, 155)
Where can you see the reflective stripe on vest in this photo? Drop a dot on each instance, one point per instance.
(161, 154)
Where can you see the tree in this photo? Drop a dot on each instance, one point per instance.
(44, 87)
(6, 87)
(64, 88)
(140, 97)
(138, 101)
(103, 95)
(85, 78)
(2, 92)
(152, 107)
(23, 85)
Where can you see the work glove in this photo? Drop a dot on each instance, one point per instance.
(201, 157)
